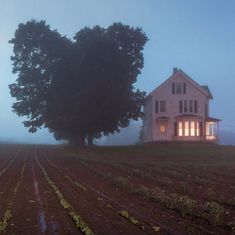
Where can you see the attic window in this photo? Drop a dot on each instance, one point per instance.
(179, 88)
(173, 88)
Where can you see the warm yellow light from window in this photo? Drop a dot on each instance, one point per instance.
(197, 123)
(192, 128)
(162, 128)
(186, 128)
(180, 129)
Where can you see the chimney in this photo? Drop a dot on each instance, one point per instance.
(175, 70)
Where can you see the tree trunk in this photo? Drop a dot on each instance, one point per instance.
(79, 141)
(90, 140)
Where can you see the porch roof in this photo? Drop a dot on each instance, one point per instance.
(188, 116)
(211, 119)
(163, 118)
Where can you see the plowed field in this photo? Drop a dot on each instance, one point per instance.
(152, 189)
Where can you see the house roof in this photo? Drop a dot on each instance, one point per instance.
(206, 88)
(211, 119)
(163, 118)
(203, 89)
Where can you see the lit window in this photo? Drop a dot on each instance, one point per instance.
(197, 128)
(192, 128)
(186, 128)
(180, 129)
(162, 128)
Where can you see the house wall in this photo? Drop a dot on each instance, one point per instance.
(172, 105)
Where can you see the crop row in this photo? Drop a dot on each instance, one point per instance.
(123, 213)
(80, 186)
(7, 166)
(211, 211)
(8, 212)
(80, 224)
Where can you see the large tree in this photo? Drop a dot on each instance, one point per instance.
(81, 88)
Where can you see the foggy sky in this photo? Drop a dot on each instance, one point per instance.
(195, 36)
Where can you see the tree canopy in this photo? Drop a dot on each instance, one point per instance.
(78, 88)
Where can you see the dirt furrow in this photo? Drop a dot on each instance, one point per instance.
(42, 213)
(149, 212)
(101, 219)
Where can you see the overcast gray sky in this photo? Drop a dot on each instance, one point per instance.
(197, 36)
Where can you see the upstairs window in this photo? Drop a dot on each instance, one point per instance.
(195, 106)
(156, 106)
(181, 106)
(184, 88)
(173, 88)
(191, 106)
(178, 88)
(162, 106)
(185, 106)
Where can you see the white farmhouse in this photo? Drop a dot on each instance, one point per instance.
(179, 110)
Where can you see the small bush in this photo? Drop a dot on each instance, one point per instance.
(213, 212)
(120, 181)
(142, 191)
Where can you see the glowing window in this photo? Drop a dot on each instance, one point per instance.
(192, 128)
(197, 128)
(162, 128)
(180, 129)
(186, 128)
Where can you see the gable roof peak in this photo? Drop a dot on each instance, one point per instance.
(203, 89)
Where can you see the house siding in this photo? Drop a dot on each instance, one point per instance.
(172, 114)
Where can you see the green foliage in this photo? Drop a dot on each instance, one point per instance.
(8, 213)
(79, 88)
(4, 223)
(131, 219)
(213, 211)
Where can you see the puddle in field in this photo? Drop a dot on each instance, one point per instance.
(54, 225)
(41, 215)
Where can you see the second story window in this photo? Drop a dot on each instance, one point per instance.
(162, 106)
(185, 106)
(191, 106)
(181, 106)
(173, 88)
(184, 88)
(156, 106)
(195, 106)
(188, 106)
(178, 88)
